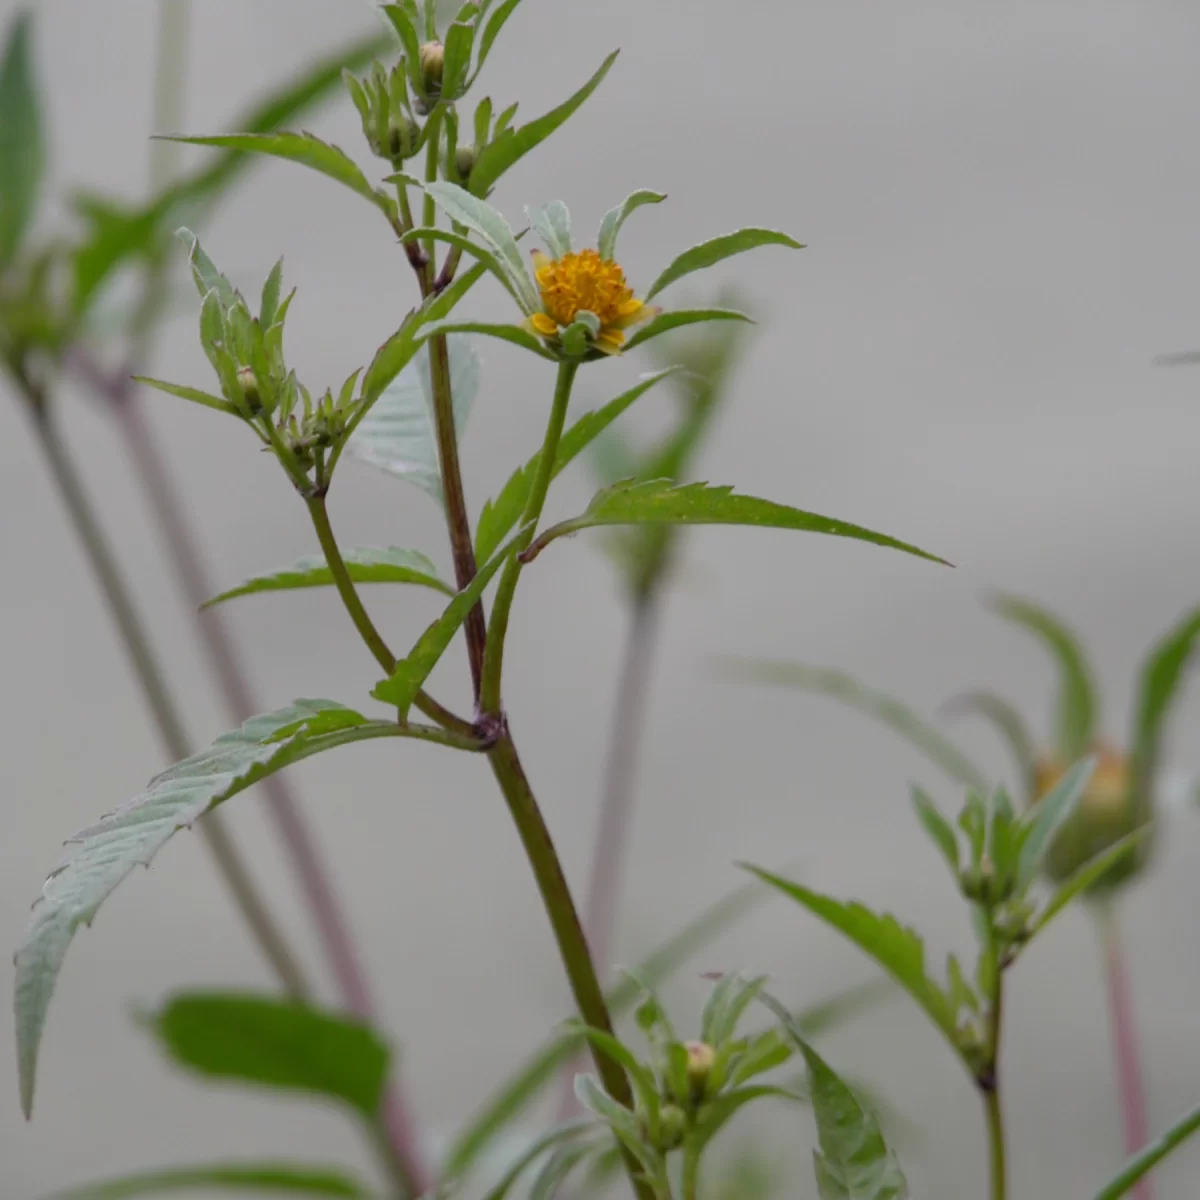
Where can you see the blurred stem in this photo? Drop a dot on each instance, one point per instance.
(989, 1081)
(158, 699)
(170, 87)
(1131, 1094)
(995, 1123)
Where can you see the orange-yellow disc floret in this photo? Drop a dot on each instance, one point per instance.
(584, 282)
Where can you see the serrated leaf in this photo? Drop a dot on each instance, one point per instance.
(940, 831)
(1142, 1163)
(553, 225)
(509, 147)
(193, 394)
(100, 857)
(1038, 827)
(500, 515)
(400, 690)
(365, 564)
(22, 149)
(1091, 871)
(307, 150)
(1011, 727)
(660, 501)
(883, 707)
(1077, 704)
(610, 227)
(708, 254)
(895, 947)
(398, 435)
(275, 1043)
(495, 23)
(273, 1178)
(677, 319)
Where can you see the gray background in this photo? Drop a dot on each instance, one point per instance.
(1000, 206)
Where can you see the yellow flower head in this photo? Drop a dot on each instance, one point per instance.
(585, 282)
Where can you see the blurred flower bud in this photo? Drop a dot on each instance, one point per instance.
(701, 1058)
(672, 1127)
(403, 138)
(433, 63)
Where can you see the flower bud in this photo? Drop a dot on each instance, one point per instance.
(433, 63)
(464, 160)
(248, 382)
(672, 1126)
(701, 1058)
(403, 137)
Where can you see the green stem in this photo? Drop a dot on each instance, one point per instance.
(995, 1124)
(493, 665)
(990, 1081)
(158, 698)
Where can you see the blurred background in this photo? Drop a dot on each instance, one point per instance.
(1000, 207)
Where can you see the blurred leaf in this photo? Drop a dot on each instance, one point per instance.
(896, 948)
(560, 1133)
(708, 254)
(365, 564)
(661, 502)
(307, 150)
(276, 1178)
(677, 319)
(500, 515)
(187, 393)
(491, 31)
(854, 1162)
(512, 145)
(1186, 358)
(100, 857)
(1076, 718)
(1142, 1163)
(276, 1044)
(1039, 824)
(399, 434)
(557, 1168)
(610, 227)
(1010, 726)
(22, 148)
(940, 831)
(718, 1111)
(1087, 875)
(899, 718)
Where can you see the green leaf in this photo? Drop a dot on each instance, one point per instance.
(517, 335)
(610, 227)
(1094, 869)
(1142, 1163)
(399, 435)
(193, 394)
(898, 717)
(401, 689)
(559, 1133)
(1158, 683)
(481, 218)
(854, 1162)
(275, 1178)
(204, 271)
(940, 831)
(660, 501)
(512, 145)
(896, 948)
(22, 150)
(458, 42)
(708, 254)
(406, 23)
(309, 151)
(100, 857)
(501, 514)
(269, 304)
(486, 256)
(1077, 705)
(365, 564)
(1040, 823)
(491, 31)
(665, 322)
(1011, 727)
(275, 1043)
(553, 224)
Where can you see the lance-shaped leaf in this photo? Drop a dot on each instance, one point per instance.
(896, 948)
(560, 1133)
(272, 1179)
(491, 31)
(458, 41)
(661, 502)
(553, 224)
(195, 395)
(708, 254)
(610, 227)
(490, 259)
(365, 564)
(1158, 683)
(1146, 1159)
(886, 709)
(854, 1162)
(275, 1043)
(1011, 727)
(501, 514)
(22, 149)
(1039, 824)
(100, 857)
(399, 435)
(940, 831)
(1076, 708)
(514, 144)
(308, 151)
(401, 689)
(515, 335)
(1087, 875)
(677, 319)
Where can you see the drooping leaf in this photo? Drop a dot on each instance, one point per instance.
(100, 857)
(940, 831)
(1039, 824)
(272, 1178)
(400, 690)
(1011, 727)
(365, 564)
(708, 254)
(1076, 716)
(660, 501)
(398, 435)
(677, 319)
(1146, 1159)
(22, 149)
(610, 227)
(512, 145)
(896, 948)
(275, 1043)
(854, 1162)
(501, 514)
(882, 707)
(1094, 869)
(309, 151)
(514, 334)
(187, 393)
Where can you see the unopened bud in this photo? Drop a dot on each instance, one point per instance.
(672, 1125)
(464, 160)
(701, 1058)
(403, 137)
(433, 64)
(248, 382)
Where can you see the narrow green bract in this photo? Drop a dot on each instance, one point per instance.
(22, 150)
